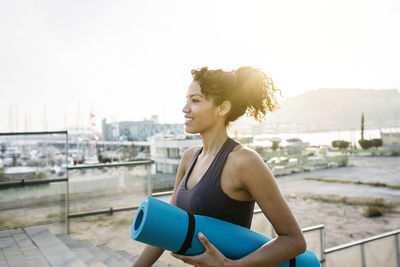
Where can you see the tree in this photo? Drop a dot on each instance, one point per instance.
(275, 145)
(365, 144)
(341, 144)
(132, 152)
(2, 177)
(362, 126)
(99, 156)
(376, 142)
(3, 148)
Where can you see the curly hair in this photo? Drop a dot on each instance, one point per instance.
(248, 89)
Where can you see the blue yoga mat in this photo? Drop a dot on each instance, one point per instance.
(163, 225)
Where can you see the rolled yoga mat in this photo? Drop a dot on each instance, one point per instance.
(166, 226)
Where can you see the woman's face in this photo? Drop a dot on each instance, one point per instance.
(200, 113)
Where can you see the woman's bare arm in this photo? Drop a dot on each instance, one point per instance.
(259, 181)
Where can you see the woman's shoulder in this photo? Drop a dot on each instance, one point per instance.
(243, 158)
(189, 153)
(244, 155)
(245, 166)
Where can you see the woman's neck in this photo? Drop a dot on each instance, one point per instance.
(213, 140)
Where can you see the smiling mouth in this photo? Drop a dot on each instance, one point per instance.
(188, 120)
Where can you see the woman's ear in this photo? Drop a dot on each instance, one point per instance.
(224, 108)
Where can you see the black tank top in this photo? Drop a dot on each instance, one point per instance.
(207, 198)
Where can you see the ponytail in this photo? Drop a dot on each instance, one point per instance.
(257, 91)
(248, 89)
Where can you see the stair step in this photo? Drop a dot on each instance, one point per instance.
(82, 252)
(100, 254)
(132, 259)
(52, 248)
(18, 250)
(31, 253)
(37, 246)
(4, 233)
(127, 255)
(12, 253)
(116, 255)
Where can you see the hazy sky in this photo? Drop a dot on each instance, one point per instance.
(124, 60)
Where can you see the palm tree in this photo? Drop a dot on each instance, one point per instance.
(362, 125)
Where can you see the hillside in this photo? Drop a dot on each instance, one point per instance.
(331, 109)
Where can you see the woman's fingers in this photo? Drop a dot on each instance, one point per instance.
(203, 240)
(211, 256)
(186, 259)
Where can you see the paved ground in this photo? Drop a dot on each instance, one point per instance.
(344, 223)
(364, 169)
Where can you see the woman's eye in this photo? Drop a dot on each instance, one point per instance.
(192, 100)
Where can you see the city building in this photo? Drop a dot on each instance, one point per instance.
(138, 130)
(167, 152)
(391, 138)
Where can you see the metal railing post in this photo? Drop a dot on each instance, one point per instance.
(397, 246)
(273, 233)
(322, 244)
(148, 179)
(67, 196)
(362, 255)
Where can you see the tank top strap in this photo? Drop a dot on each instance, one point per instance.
(219, 162)
(189, 169)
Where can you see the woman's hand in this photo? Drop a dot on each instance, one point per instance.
(210, 258)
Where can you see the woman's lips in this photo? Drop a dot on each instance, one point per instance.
(188, 119)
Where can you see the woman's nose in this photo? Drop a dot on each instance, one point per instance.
(185, 108)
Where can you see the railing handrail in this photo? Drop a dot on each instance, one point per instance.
(362, 241)
(110, 165)
(257, 211)
(312, 228)
(24, 182)
(33, 133)
(110, 210)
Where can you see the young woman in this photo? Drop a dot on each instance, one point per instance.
(223, 178)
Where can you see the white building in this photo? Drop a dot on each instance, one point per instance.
(391, 138)
(167, 152)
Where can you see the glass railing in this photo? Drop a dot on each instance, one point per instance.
(109, 188)
(33, 180)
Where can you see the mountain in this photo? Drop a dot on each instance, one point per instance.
(332, 109)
